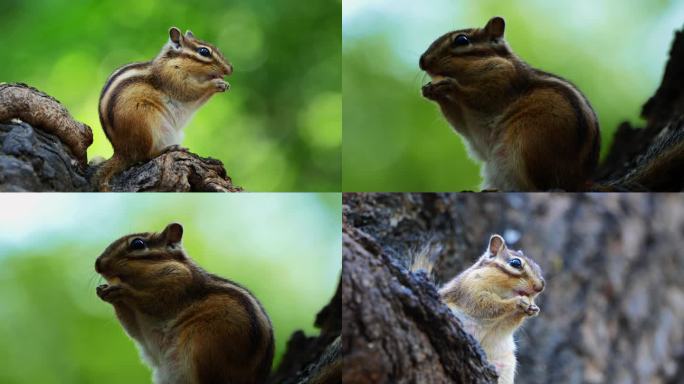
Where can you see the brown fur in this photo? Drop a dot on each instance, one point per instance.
(141, 99)
(212, 330)
(218, 346)
(536, 131)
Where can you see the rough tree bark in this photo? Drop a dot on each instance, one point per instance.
(315, 360)
(42, 148)
(395, 328)
(612, 311)
(659, 145)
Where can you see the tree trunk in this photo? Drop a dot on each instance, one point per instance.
(612, 310)
(652, 158)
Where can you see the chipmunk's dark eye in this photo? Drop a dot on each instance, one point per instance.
(515, 263)
(204, 51)
(461, 40)
(138, 244)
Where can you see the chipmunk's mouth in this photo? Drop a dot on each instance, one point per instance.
(435, 78)
(113, 280)
(521, 292)
(215, 77)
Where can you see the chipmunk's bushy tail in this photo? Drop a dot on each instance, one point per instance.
(424, 258)
(107, 170)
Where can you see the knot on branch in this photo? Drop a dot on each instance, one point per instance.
(20, 101)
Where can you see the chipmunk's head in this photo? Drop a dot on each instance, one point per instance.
(466, 54)
(194, 56)
(143, 259)
(509, 272)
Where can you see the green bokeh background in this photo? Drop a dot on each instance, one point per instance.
(279, 128)
(286, 248)
(394, 140)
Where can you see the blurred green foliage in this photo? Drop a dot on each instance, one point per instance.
(286, 248)
(279, 128)
(394, 140)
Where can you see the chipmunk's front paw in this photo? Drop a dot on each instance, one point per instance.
(527, 307)
(440, 90)
(110, 293)
(220, 85)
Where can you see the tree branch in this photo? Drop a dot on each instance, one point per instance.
(44, 149)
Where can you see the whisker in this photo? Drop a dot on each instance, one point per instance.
(95, 280)
(419, 77)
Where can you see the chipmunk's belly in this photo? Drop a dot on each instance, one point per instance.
(504, 171)
(165, 137)
(498, 347)
(501, 166)
(170, 131)
(501, 354)
(500, 350)
(483, 139)
(481, 133)
(170, 374)
(149, 340)
(168, 363)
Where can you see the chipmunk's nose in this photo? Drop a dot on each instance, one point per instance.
(540, 287)
(229, 69)
(421, 62)
(98, 265)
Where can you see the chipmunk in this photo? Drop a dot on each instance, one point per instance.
(492, 299)
(144, 106)
(191, 327)
(532, 130)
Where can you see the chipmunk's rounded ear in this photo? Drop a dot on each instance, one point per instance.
(173, 233)
(189, 34)
(175, 36)
(495, 27)
(496, 245)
